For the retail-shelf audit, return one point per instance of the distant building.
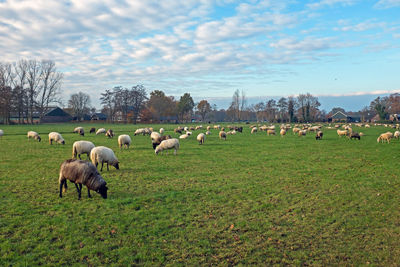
(342, 117)
(98, 117)
(56, 115)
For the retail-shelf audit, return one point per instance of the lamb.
(154, 136)
(222, 135)
(385, 136)
(100, 131)
(201, 137)
(172, 143)
(34, 135)
(319, 135)
(110, 133)
(161, 130)
(102, 154)
(79, 130)
(183, 136)
(124, 140)
(342, 133)
(270, 131)
(92, 130)
(282, 132)
(81, 147)
(81, 172)
(396, 134)
(56, 137)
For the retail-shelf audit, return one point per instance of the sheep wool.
(208, 133)
(79, 130)
(124, 140)
(81, 147)
(110, 133)
(81, 172)
(222, 135)
(282, 132)
(56, 137)
(172, 143)
(183, 136)
(34, 135)
(101, 131)
(1, 133)
(102, 154)
(162, 131)
(201, 137)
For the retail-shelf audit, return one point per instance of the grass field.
(249, 200)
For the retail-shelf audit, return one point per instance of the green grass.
(250, 200)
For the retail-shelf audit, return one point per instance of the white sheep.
(396, 134)
(124, 140)
(254, 130)
(201, 137)
(222, 135)
(102, 154)
(189, 133)
(101, 131)
(1, 133)
(79, 130)
(208, 133)
(161, 130)
(81, 147)
(155, 137)
(34, 135)
(183, 136)
(283, 132)
(56, 137)
(168, 144)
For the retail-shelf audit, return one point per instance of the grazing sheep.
(81, 147)
(191, 128)
(81, 172)
(385, 137)
(178, 130)
(183, 136)
(189, 133)
(56, 137)
(124, 140)
(1, 133)
(396, 134)
(367, 126)
(161, 130)
(154, 136)
(208, 133)
(342, 132)
(270, 132)
(199, 127)
(100, 131)
(186, 128)
(168, 144)
(354, 135)
(254, 130)
(282, 132)
(208, 127)
(217, 127)
(34, 135)
(79, 130)
(110, 133)
(92, 130)
(162, 138)
(319, 135)
(295, 130)
(302, 132)
(102, 154)
(201, 137)
(222, 135)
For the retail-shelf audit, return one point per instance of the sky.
(334, 49)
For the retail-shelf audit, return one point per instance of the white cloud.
(330, 3)
(383, 4)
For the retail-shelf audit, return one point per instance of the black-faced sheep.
(172, 143)
(92, 130)
(81, 147)
(319, 135)
(110, 133)
(100, 131)
(354, 135)
(222, 135)
(102, 154)
(56, 137)
(79, 130)
(34, 135)
(201, 137)
(162, 138)
(81, 172)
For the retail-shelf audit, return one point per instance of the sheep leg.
(79, 192)
(61, 185)
(88, 193)
(101, 166)
(79, 155)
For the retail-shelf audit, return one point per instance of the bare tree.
(33, 80)
(138, 98)
(80, 104)
(49, 90)
(238, 105)
(19, 93)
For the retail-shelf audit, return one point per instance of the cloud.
(384, 4)
(360, 27)
(330, 3)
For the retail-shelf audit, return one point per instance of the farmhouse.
(342, 117)
(56, 115)
(99, 117)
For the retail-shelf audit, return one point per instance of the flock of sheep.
(85, 173)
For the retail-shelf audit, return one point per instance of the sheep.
(254, 130)
(161, 130)
(367, 126)
(201, 137)
(100, 131)
(319, 135)
(102, 154)
(191, 128)
(385, 136)
(396, 134)
(1, 133)
(282, 132)
(208, 133)
(222, 135)
(56, 137)
(167, 144)
(186, 128)
(79, 130)
(302, 132)
(162, 138)
(354, 135)
(270, 132)
(124, 140)
(208, 127)
(183, 136)
(296, 130)
(81, 172)
(34, 135)
(217, 127)
(178, 130)
(92, 130)
(81, 147)
(154, 136)
(189, 133)
(342, 132)
(199, 127)
(110, 133)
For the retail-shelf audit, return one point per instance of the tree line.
(27, 88)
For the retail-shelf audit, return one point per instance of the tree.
(379, 105)
(161, 105)
(33, 83)
(393, 103)
(238, 104)
(282, 106)
(80, 105)
(138, 98)
(292, 106)
(109, 106)
(203, 108)
(308, 107)
(185, 106)
(270, 109)
(259, 109)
